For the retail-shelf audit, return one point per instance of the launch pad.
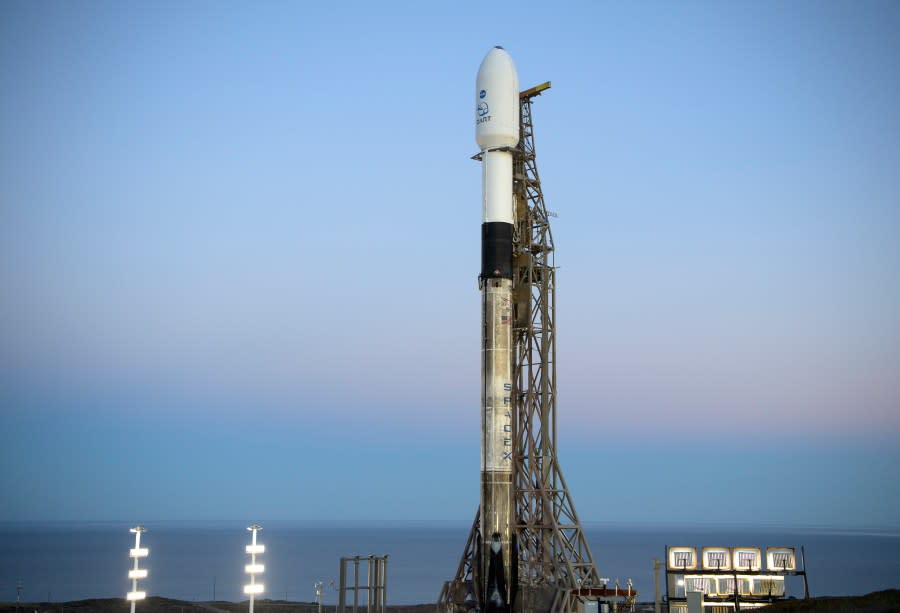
(551, 568)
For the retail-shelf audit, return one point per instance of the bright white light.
(140, 552)
(716, 558)
(137, 573)
(135, 595)
(253, 588)
(682, 558)
(255, 548)
(746, 558)
(781, 558)
(765, 577)
(255, 568)
(681, 582)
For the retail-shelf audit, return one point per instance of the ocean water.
(203, 560)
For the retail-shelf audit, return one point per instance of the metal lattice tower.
(555, 565)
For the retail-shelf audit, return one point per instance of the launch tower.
(552, 569)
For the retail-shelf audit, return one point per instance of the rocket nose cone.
(497, 58)
(497, 101)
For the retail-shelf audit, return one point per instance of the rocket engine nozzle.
(496, 580)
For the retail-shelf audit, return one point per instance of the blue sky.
(239, 248)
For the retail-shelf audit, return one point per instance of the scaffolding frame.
(375, 586)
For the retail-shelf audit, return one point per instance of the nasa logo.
(482, 94)
(482, 109)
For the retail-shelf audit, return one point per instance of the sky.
(239, 245)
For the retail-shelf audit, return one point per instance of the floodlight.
(253, 588)
(139, 552)
(682, 558)
(132, 596)
(255, 549)
(140, 573)
(768, 585)
(697, 584)
(781, 558)
(746, 558)
(255, 568)
(716, 558)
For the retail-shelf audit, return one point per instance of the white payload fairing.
(497, 134)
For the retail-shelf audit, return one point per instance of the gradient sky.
(239, 248)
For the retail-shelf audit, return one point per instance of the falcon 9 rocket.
(497, 133)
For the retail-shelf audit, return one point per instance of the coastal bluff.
(886, 601)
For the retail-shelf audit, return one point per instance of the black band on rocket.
(496, 250)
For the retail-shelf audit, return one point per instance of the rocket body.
(497, 132)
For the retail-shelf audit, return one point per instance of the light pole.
(319, 586)
(137, 573)
(656, 602)
(253, 569)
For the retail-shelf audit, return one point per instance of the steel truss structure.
(555, 568)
